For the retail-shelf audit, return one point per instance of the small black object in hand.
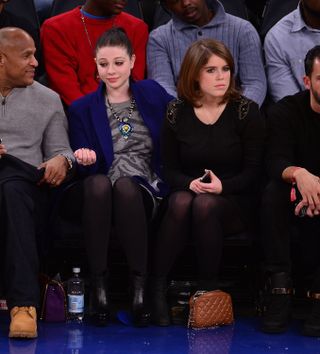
(206, 177)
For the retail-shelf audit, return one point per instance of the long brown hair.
(196, 57)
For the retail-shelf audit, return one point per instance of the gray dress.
(132, 156)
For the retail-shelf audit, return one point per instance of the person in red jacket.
(68, 41)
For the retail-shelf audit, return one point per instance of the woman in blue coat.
(114, 132)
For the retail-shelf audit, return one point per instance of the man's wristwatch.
(69, 161)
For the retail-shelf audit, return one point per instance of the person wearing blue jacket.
(114, 132)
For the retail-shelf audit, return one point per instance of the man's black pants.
(24, 218)
(277, 224)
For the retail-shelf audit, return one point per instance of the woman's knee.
(179, 204)
(126, 187)
(97, 186)
(205, 205)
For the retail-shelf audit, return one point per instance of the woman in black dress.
(210, 129)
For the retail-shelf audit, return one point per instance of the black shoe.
(311, 326)
(99, 300)
(278, 309)
(160, 311)
(140, 315)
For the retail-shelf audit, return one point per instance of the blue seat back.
(24, 9)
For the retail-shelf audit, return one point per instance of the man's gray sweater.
(33, 126)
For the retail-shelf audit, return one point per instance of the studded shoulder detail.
(172, 110)
(244, 105)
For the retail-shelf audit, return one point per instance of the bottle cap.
(76, 270)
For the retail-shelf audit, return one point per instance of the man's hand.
(214, 187)
(85, 157)
(2, 150)
(55, 170)
(309, 188)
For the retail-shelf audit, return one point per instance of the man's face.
(18, 61)
(313, 84)
(190, 11)
(109, 7)
(312, 6)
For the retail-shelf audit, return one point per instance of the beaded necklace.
(124, 125)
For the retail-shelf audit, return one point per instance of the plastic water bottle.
(75, 297)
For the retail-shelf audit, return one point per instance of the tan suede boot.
(23, 322)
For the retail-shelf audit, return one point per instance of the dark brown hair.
(196, 57)
(311, 56)
(115, 37)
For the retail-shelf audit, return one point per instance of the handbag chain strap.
(199, 293)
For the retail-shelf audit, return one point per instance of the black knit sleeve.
(252, 133)
(173, 174)
(280, 138)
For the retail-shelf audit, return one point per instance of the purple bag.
(54, 305)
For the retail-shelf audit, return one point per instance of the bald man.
(34, 155)
(9, 19)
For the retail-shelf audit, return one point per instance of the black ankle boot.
(160, 311)
(140, 315)
(99, 300)
(277, 315)
(311, 326)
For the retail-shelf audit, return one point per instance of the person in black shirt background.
(293, 163)
(211, 128)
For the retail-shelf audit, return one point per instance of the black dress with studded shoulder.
(232, 147)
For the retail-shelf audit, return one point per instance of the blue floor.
(241, 338)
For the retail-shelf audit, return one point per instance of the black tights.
(207, 217)
(98, 204)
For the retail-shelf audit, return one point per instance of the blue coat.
(89, 124)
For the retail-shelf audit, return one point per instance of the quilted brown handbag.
(210, 309)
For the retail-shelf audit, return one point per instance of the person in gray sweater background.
(33, 132)
(200, 19)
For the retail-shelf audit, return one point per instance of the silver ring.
(53, 181)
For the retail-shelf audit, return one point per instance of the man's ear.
(307, 82)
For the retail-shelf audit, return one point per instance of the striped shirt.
(286, 46)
